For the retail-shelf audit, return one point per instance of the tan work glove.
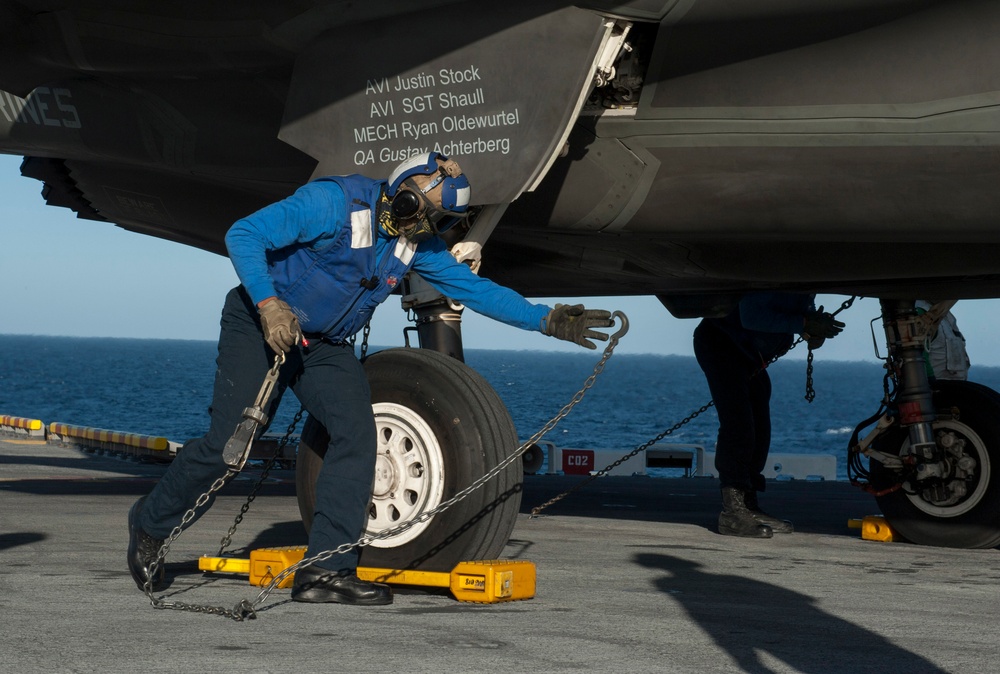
(575, 324)
(281, 327)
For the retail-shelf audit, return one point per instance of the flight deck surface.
(631, 578)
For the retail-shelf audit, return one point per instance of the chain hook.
(622, 331)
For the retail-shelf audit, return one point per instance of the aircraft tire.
(974, 520)
(440, 427)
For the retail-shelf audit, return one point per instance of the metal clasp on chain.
(237, 448)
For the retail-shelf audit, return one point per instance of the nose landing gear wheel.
(440, 426)
(963, 509)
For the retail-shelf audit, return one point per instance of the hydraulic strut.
(906, 335)
(439, 320)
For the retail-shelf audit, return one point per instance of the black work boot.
(317, 585)
(777, 526)
(737, 520)
(142, 551)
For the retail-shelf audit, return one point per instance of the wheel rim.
(409, 473)
(975, 449)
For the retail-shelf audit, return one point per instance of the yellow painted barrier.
(22, 429)
(100, 436)
(21, 422)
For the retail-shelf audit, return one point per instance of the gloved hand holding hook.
(820, 324)
(281, 327)
(574, 323)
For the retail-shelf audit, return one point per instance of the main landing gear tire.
(440, 427)
(955, 520)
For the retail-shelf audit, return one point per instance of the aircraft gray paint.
(688, 149)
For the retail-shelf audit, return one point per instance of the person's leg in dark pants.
(760, 401)
(334, 389)
(244, 359)
(729, 372)
(759, 390)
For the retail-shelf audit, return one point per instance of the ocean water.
(164, 387)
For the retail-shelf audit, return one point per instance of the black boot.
(777, 526)
(737, 520)
(315, 584)
(142, 551)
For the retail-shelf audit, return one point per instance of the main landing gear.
(935, 454)
(440, 427)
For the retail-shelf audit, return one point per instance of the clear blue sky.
(63, 276)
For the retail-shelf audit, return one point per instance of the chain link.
(227, 539)
(161, 554)
(536, 511)
(810, 391)
(364, 341)
(247, 610)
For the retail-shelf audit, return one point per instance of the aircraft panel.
(500, 99)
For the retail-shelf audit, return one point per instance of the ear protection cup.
(455, 194)
(455, 190)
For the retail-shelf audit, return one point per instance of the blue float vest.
(334, 290)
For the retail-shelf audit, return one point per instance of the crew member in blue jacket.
(733, 352)
(313, 268)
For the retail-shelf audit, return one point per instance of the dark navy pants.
(742, 402)
(329, 382)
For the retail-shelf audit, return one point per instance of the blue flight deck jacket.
(764, 323)
(322, 252)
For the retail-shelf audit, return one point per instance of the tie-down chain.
(809, 396)
(238, 449)
(248, 610)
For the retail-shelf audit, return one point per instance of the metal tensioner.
(237, 448)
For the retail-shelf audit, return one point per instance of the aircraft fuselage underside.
(852, 150)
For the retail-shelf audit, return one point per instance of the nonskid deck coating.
(631, 577)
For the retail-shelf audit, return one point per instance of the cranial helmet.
(408, 198)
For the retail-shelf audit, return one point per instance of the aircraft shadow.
(8, 541)
(756, 623)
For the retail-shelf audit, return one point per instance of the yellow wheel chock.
(481, 582)
(874, 528)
